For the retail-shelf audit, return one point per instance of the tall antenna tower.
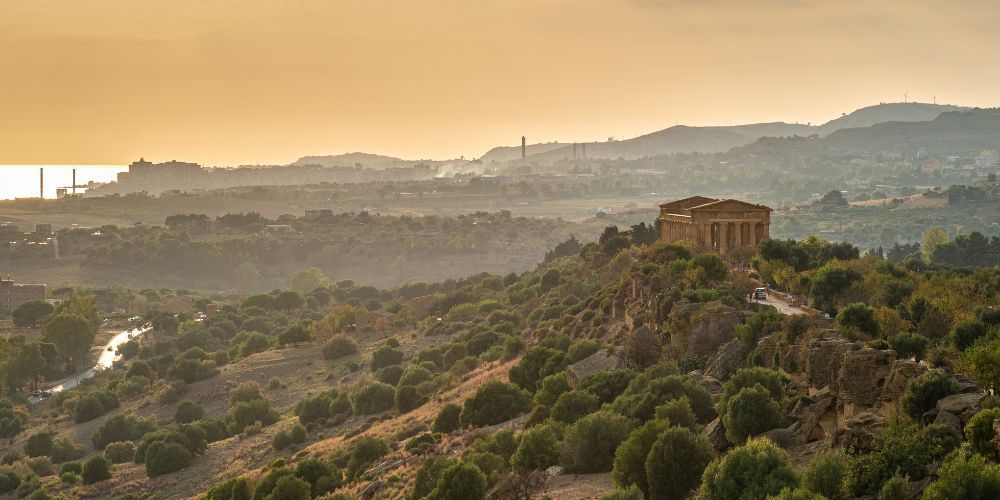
(524, 149)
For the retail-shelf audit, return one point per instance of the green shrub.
(95, 470)
(373, 397)
(750, 412)
(414, 375)
(428, 474)
(298, 434)
(963, 335)
(574, 405)
(826, 475)
(291, 488)
(390, 374)
(630, 457)
(385, 356)
(9, 480)
(164, 457)
(502, 443)
(896, 488)
(647, 391)
(755, 470)
(460, 481)
(857, 317)
(494, 402)
(69, 477)
(676, 462)
(231, 489)
(420, 443)
(748, 377)
(364, 451)
(550, 388)
(678, 412)
(909, 345)
(980, 434)
(539, 447)
(589, 445)
(339, 346)
(76, 467)
(924, 391)
(281, 440)
(39, 444)
(447, 419)
(898, 448)
(121, 428)
(971, 478)
(247, 413)
(606, 385)
(408, 398)
(537, 363)
(187, 412)
(631, 492)
(119, 452)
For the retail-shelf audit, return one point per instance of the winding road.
(109, 354)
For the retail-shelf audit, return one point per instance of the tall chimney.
(41, 182)
(74, 181)
(524, 148)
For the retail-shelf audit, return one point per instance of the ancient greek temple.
(720, 225)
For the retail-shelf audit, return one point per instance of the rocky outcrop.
(698, 329)
(715, 433)
(730, 357)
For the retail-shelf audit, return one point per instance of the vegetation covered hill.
(886, 112)
(625, 362)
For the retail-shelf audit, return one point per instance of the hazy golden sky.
(226, 82)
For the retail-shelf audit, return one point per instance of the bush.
(630, 457)
(244, 414)
(631, 492)
(898, 448)
(539, 447)
(606, 385)
(574, 405)
(373, 397)
(896, 488)
(967, 333)
(390, 374)
(857, 318)
(909, 345)
(298, 434)
(536, 364)
(164, 457)
(39, 444)
(232, 489)
(76, 467)
(188, 412)
(386, 356)
(9, 480)
(69, 477)
(971, 478)
(494, 402)
(678, 413)
(754, 470)
(408, 399)
(88, 408)
(550, 388)
(245, 392)
(291, 488)
(119, 452)
(447, 419)
(122, 428)
(339, 346)
(750, 412)
(647, 391)
(281, 440)
(979, 432)
(826, 475)
(461, 481)
(364, 452)
(95, 470)
(676, 462)
(589, 445)
(321, 407)
(925, 390)
(42, 466)
(428, 474)
(748, 377)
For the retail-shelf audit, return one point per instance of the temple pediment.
(730, 205)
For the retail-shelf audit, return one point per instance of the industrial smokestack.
(74, 181)
(524, 148)
(41, 182)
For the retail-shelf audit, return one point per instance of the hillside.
(366, 160)
(952, 132)
(886, 112)
(510, 153)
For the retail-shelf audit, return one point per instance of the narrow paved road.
(107, 358)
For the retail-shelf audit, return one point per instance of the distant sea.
(21, 181)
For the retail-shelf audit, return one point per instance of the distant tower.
(524, 149)
(41, 183)
(74, 181)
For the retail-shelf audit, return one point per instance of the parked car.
(760, 294)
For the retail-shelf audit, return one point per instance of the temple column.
(723, 238)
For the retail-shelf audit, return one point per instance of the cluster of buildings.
(175, 177)
(12, 235)
(981, 166)
(13, 294)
